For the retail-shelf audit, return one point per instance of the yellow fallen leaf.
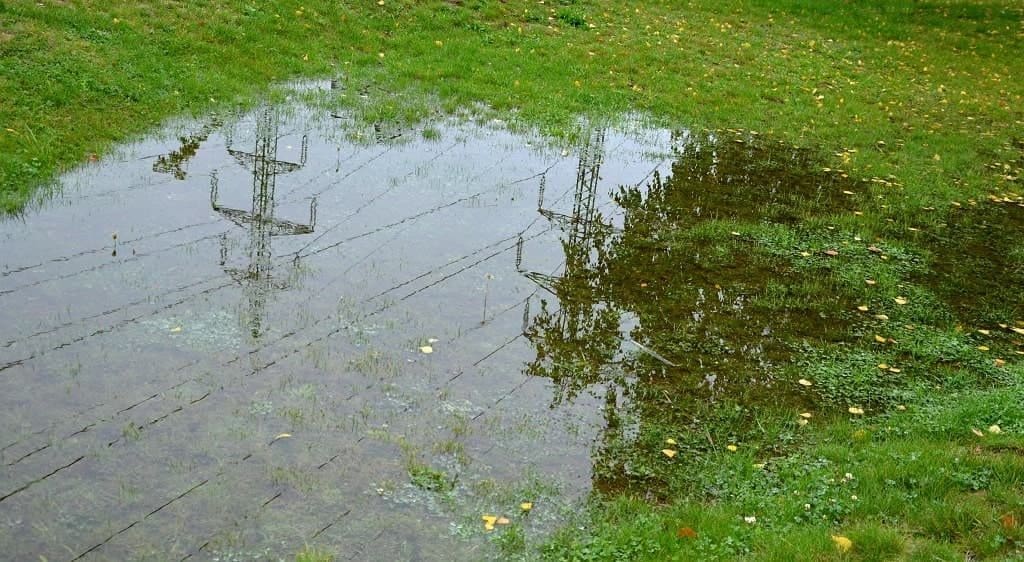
(668, 453)
(883, 366)
(994, 429)
(977, 432)
(984, 332)
(731, 447)
(805, 254)
(881, 317)
(805, 382)
(894, 370)
(806, 415)
(855, 410)
(842, 543)
(802, 422)
(869, 281)
(1000, 362)
(879, 338)
(503, 521)
(489, 521)
(670, 441)
(900, 300)
(280, 436)
(863, 308)
(526, 506)
(1018, 330)
(982, 348)
(175, 329)
(426, 349)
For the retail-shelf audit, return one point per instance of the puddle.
(266, 330)
(978, 261)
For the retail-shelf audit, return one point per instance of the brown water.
(214, 344)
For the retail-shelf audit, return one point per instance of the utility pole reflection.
(257, 276)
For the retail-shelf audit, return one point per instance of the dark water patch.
(977, 261)
(740, 176)
(672, 319)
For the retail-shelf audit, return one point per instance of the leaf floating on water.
(900, 300)
(805, 382)
(526, 506)
(175, 329)
(686, 533)
(426, 349)
(842, 543)
(855, 410)
(432, 340)
(668, 453)
(280, 436)
(489, 521)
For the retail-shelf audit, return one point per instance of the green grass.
(924, 92)
(910, 113)
(908, 485)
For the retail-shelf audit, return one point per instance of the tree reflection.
(657, 315)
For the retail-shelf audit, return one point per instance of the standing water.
(280, 329)
(284, 328)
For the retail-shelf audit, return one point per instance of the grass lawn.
(915, 107)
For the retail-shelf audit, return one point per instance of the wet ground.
(280, 328)
(264, 330)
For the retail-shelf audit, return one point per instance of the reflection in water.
(578, 338)
(257, 276)
(656, 319)
(175, 163)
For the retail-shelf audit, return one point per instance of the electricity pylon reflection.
(257, 276)
(575, 341)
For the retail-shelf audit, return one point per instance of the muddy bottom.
(261, 331)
